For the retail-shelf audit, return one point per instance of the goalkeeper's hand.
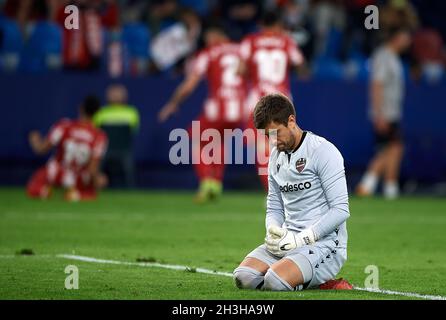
(279, 240)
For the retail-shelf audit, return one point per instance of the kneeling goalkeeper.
(307, 207)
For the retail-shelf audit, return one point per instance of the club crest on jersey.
(300, 164)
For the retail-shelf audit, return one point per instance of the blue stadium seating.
(333, 44)
(136, 40)
(199, 6)
(43, 49)
(357, 67)
(11, 45)
(327, 68)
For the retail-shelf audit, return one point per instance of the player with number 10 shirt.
(267, 57)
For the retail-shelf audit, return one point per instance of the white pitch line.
(406, 294)
(228, 274)
(144, 264)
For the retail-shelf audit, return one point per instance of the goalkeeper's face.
(281, 136)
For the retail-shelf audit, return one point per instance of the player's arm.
(94, 166)
(330, 168)
(275, 213)
(297, 60)
(302, 70)
(274, 205)
(245, 54)
(185, 88)
(378, 75)
(376, 96)
(39, 144)
(181, 93)
(42, 145)
(242, 69)
(99, 179)
(278, 240)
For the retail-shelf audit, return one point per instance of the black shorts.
(393, 134)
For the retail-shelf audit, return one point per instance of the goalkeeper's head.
(276, 115)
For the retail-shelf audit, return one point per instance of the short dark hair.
(273, 108)
(392, 31)
(90, 105)
(214, 26)
(270, 18)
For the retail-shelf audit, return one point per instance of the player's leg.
(79, 186)
(395, 152)
(38, 186)
(203, 170)
(375, 169)
(261, 142)
(262, 152)
(211, 171)
(250, 273)
(370, 179)
(305, 267)
(288, 275)
(218, 167)
(86, 187)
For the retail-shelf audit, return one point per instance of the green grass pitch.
(405, 238)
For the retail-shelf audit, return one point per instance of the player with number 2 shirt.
(218, 62)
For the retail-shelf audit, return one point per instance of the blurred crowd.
(140, 37)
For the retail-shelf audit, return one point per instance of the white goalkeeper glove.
(279, 240)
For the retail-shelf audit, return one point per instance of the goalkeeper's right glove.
(279, 240)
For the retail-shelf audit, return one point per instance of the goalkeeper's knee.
(248, 278)
(273, 282)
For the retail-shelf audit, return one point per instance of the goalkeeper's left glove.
(281, 240)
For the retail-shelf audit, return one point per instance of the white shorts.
(318, 264)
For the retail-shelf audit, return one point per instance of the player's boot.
(46, 192)
(360, 191)
(391, 190)
(72, 195)
(367, 185)
(216, 189)
(204, 191)
(336, 284)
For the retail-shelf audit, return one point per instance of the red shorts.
(54, 175)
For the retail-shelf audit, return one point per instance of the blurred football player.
(268, 55)
(386, 95)
(79, 147)
(223, 107)
(307, 208)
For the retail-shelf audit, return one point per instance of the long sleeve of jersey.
(274, 205)
(330, 168)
